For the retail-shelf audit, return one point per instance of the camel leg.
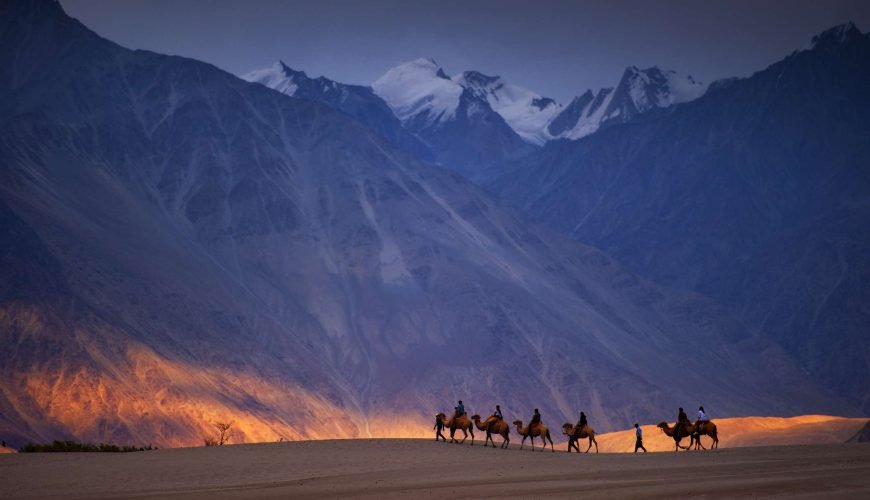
(472, 436)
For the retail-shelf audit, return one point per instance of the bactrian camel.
(575, 434)
(539, 430)
(689, 429)
(499, 427)
(462, 423)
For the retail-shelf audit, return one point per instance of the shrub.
(75, 446)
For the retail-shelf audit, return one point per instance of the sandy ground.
(743, 431)
(405, 468)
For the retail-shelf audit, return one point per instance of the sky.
(557, 48)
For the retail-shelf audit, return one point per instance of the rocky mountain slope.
(756, 194)
(357, 101)
(181, 247)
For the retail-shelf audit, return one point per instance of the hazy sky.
(557, 48)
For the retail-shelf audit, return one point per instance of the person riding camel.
(702, 420)
(496, 417)
(582, 422)
(536, 419)
(458, 411)
(682, 418)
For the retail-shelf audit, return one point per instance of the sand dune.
(746, 431)
(395, 468)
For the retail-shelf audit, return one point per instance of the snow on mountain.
(357, 101)
(527, 112)
(277, 76)
(638, 91)
(419, 86)
(755, 195)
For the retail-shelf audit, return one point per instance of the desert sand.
(405, 468)
(744, 431)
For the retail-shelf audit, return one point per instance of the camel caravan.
(495, 424)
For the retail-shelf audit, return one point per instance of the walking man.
(439, 426)
(638, 445)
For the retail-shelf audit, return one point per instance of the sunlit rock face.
(756, 194)
(181, 247)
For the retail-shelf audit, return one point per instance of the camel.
(462, 423)
(691, 430)
(540, 430)
(500, 427)
(576, 434)
(707, 428)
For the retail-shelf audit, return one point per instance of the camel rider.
(582, 422)
(682, 418)
(497, 413)
(458, 411)
(496, 416)
(536, 419)
(702, 419)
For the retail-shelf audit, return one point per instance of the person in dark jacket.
(536, 419)
(682, 418)
(582, 422)
(439, 426)
(496, 417)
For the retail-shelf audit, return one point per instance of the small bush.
(75, 446)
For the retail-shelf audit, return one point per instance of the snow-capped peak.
(278, 76)
(527, 112)
(654, 88)
(419, 86)
(638, 91)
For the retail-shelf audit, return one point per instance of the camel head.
(663, 426)
(441, 416)
(567, 429)
(518, 423)
(475, 417)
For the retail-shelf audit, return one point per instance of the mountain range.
(181, 247)
(756, 194)
(471, 122)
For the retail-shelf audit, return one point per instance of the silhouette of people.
(638, 445)
(536, 419)
(582, 422)
(496, 417)
(682, 418)
(439, 426)
(702, 419)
